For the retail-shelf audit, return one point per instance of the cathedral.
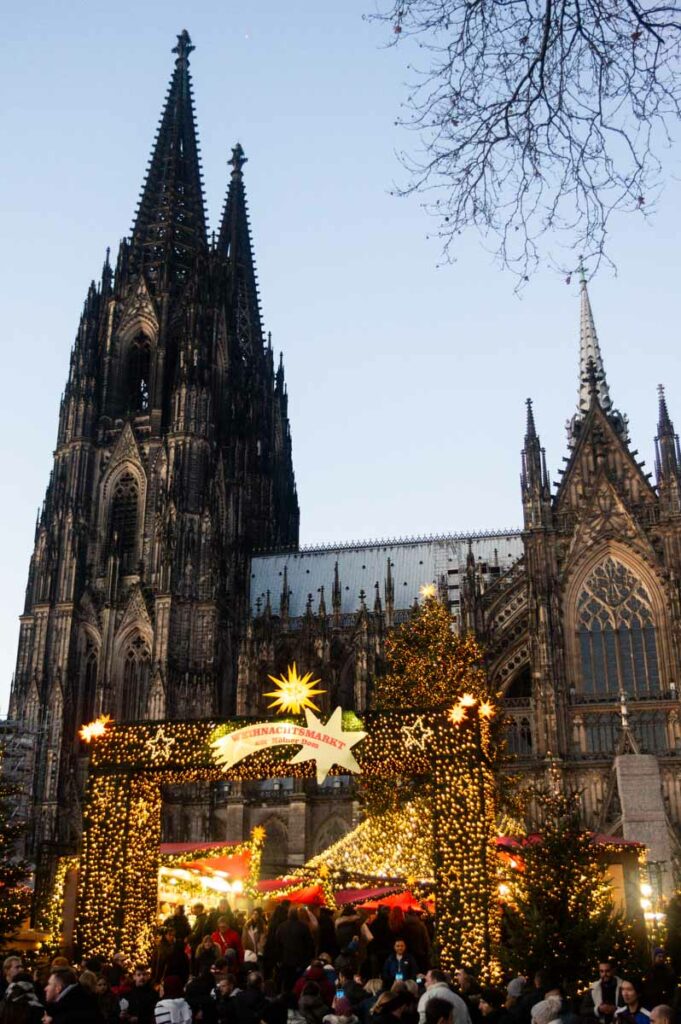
(167, 579)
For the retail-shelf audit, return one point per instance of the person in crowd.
(351, 988)
(311, 1004)
(415, 934)
(179, 922)
(438, 988)
(546, 1011)
(161, 954)
(492, 1006)
(399, 966)
(199, 927)
(199, 995)
(315, 972)
(348, 923)
(552, 989)
(67, 1002)
(662, 1015)
(88, 979)
(372, 992)
(396, 1007)
(439, 1011)
(11, 966)
(205, 954)
(271, 962)
(327, 941)
(295, 949)
(660, 984)
(341, 1012)
(249, 1005)
(253, 936)
(632, 1011)
(381, 943)
(117, 969)
(140, 1000)
(20, 1003)
(109, 1006)
(225, 937)
(514, 993)
(172, 1007)
(223, 909)
(225, 988)
(396, 922)
(469, 990)
(603, 996)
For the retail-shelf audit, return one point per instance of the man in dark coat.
(295, 949)
(248, 1004)
(68, 1002)
(142, 998)
(400, 966)
(415, 934)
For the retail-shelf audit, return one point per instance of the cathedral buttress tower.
(173, 462)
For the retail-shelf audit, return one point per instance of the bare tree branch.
(539, 118)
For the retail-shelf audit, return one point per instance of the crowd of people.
(304, 965)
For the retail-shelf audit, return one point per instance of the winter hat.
(516, 987)
(172, 987)
(545, 1011)
(20, 991)
(342, 1007)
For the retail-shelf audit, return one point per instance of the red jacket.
(229, 940)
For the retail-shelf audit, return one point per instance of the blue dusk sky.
(407, 380)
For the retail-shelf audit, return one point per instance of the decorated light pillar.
(468, 920)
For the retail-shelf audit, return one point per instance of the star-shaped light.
(427, 590)
(95, 729)
(294, 692)
(467, 701)
(457, 714)
(160, 746)
(417, 734)
(258, 834)
(332, 745)
(486, 709)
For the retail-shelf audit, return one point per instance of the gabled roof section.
(235, 245)
(170, 226)
(600, 447)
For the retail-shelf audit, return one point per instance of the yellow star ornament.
(329, 745)
(294, 692)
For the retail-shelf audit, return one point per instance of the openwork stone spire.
(234, 243)
(170, 226)
(593, 383)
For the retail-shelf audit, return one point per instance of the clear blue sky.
(407, 382)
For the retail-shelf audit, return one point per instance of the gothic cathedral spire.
(234, 245)
(170, 226)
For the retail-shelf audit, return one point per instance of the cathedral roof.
(363, 564)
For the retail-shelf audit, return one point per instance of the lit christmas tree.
(429, 665)
(15, 898)
(560, 913)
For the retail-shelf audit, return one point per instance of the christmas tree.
(15, 897)
(560, 914)
(429, 665)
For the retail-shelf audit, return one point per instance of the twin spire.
(170, 230)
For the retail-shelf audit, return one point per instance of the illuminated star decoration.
(95, 729)
(160, 746)
(258, 834)
(294, 692)
(427, 590)
(326, 754)
(418, 734)
(457, 714)
(486, 709)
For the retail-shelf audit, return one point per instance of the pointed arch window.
(139, 374)
(617, 634)
(519, 737)
(136, 674)
(123, 521)
(90, 668)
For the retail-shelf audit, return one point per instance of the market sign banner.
(325, 744)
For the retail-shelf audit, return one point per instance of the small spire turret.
(534, 479)
(668, 458)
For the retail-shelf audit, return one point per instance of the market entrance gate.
(130, 764)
